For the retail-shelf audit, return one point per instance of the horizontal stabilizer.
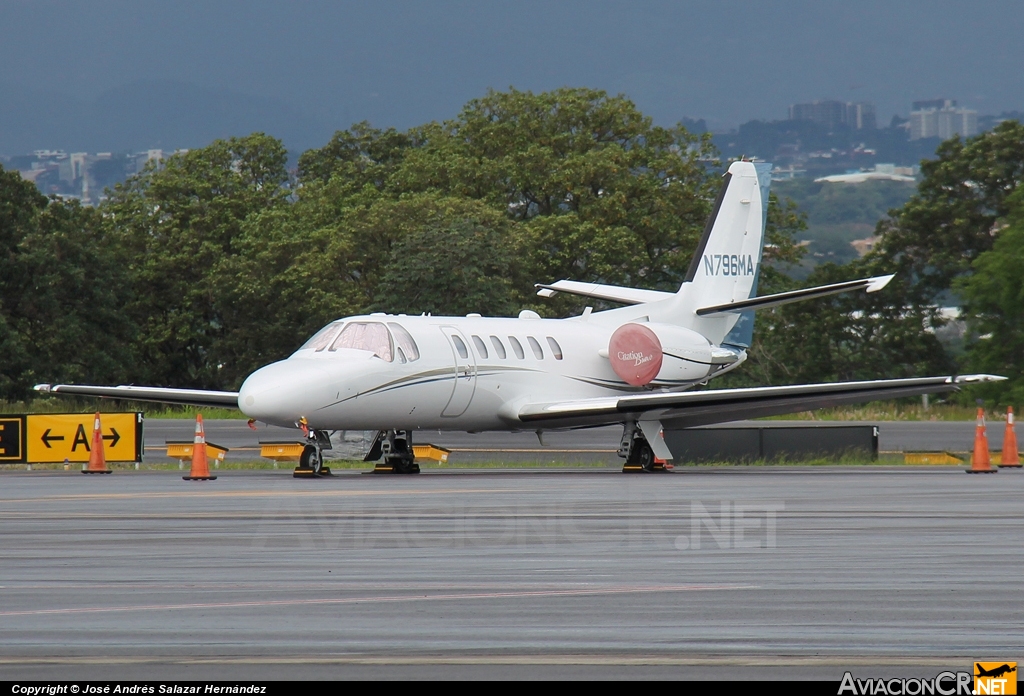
(692, 408)
(162, 395)
(611, 293)
(867, 284)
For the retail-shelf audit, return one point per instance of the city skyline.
(303, 72)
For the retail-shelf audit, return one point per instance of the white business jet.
(635, 365)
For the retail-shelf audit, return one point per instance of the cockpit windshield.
(372, 336)
(322, 338)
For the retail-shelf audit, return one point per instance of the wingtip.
(877, 283)
(973, 379)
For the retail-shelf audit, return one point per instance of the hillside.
(838, 214)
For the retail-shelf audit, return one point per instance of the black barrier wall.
(772, 443)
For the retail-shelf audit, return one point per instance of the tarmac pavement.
(745, 572)
(593, 445)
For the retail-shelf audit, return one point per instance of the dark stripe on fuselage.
(427, 377)
(680, 357)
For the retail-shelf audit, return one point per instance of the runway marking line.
(250, 494)
(504, 659)
(583, 592)
(452, 449)
(538, 449)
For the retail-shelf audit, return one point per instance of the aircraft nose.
(283, 392)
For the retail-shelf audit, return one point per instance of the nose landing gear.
(311, 461)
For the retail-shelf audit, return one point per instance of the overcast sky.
(405, 63)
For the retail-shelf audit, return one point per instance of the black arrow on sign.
(114, 439)
(47, 437)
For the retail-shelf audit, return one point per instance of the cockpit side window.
(322, 338)
(405, 341)
(371, 336)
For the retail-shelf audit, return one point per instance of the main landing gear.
(637, 452)
(311, 461)
(396, 448)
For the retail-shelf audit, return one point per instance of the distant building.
(941, 118)
(831, 113)
(140, 159)
(860, 116)
(925, 104)
(787, 173)
(881, 172)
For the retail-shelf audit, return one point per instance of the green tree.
(599, 192)
(994, 303)
(591, 190)
(928, 243)
(62, 284)
(181, 224)
(360, 156)
(936, 236)
(452, 268)
(20, 205)
(768, 355)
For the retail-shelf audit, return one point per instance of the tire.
(311, 459)
(644, 455)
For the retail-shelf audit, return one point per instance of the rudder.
(726, 265)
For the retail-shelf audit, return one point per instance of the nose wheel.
(312, 458)
(311, 461)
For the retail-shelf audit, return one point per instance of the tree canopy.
(219, 260)
(216, 261)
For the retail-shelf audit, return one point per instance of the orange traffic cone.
(980, 461)
(97, 457)
(200, 466)
(1011, 457)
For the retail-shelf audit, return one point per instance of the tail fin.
(727, 262)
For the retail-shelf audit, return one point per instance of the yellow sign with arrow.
(54, 437)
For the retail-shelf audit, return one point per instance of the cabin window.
(405, 341)
(481, 348)
(323, 338)
(537, 350)
(372, 336)
(461, 347)
(499, 347)
(556, 349)
(517, 347)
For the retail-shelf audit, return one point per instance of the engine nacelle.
(644, 353)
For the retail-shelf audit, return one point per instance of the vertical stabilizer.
(727, 263)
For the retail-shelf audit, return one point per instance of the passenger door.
(465, 373)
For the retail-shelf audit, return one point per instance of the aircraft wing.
(613, 293)
(693, 408)
(765, 301)
(163, 395)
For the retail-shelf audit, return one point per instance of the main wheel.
(642, 455)
(311, 459)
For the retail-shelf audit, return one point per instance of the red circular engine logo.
(635, 354)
